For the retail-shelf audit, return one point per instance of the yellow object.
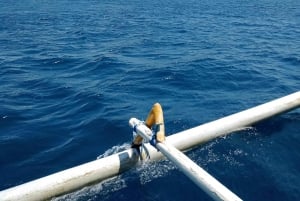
(155, 121)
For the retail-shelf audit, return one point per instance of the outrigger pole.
(101, 169)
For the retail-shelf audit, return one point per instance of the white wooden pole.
(98, 170)
(198, 175)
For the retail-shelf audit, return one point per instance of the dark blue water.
(72, 73)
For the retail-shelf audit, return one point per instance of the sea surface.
(72, 73)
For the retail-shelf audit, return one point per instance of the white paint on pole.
(98, 170)
(199, 176)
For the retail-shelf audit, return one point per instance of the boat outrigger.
(77, 177)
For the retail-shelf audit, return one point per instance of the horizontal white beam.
(98, 170)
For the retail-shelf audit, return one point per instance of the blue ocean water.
(72, 73)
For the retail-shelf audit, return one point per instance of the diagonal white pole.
(198, 175)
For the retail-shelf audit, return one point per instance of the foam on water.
(114, 150)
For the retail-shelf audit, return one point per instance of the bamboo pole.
(98, 170)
